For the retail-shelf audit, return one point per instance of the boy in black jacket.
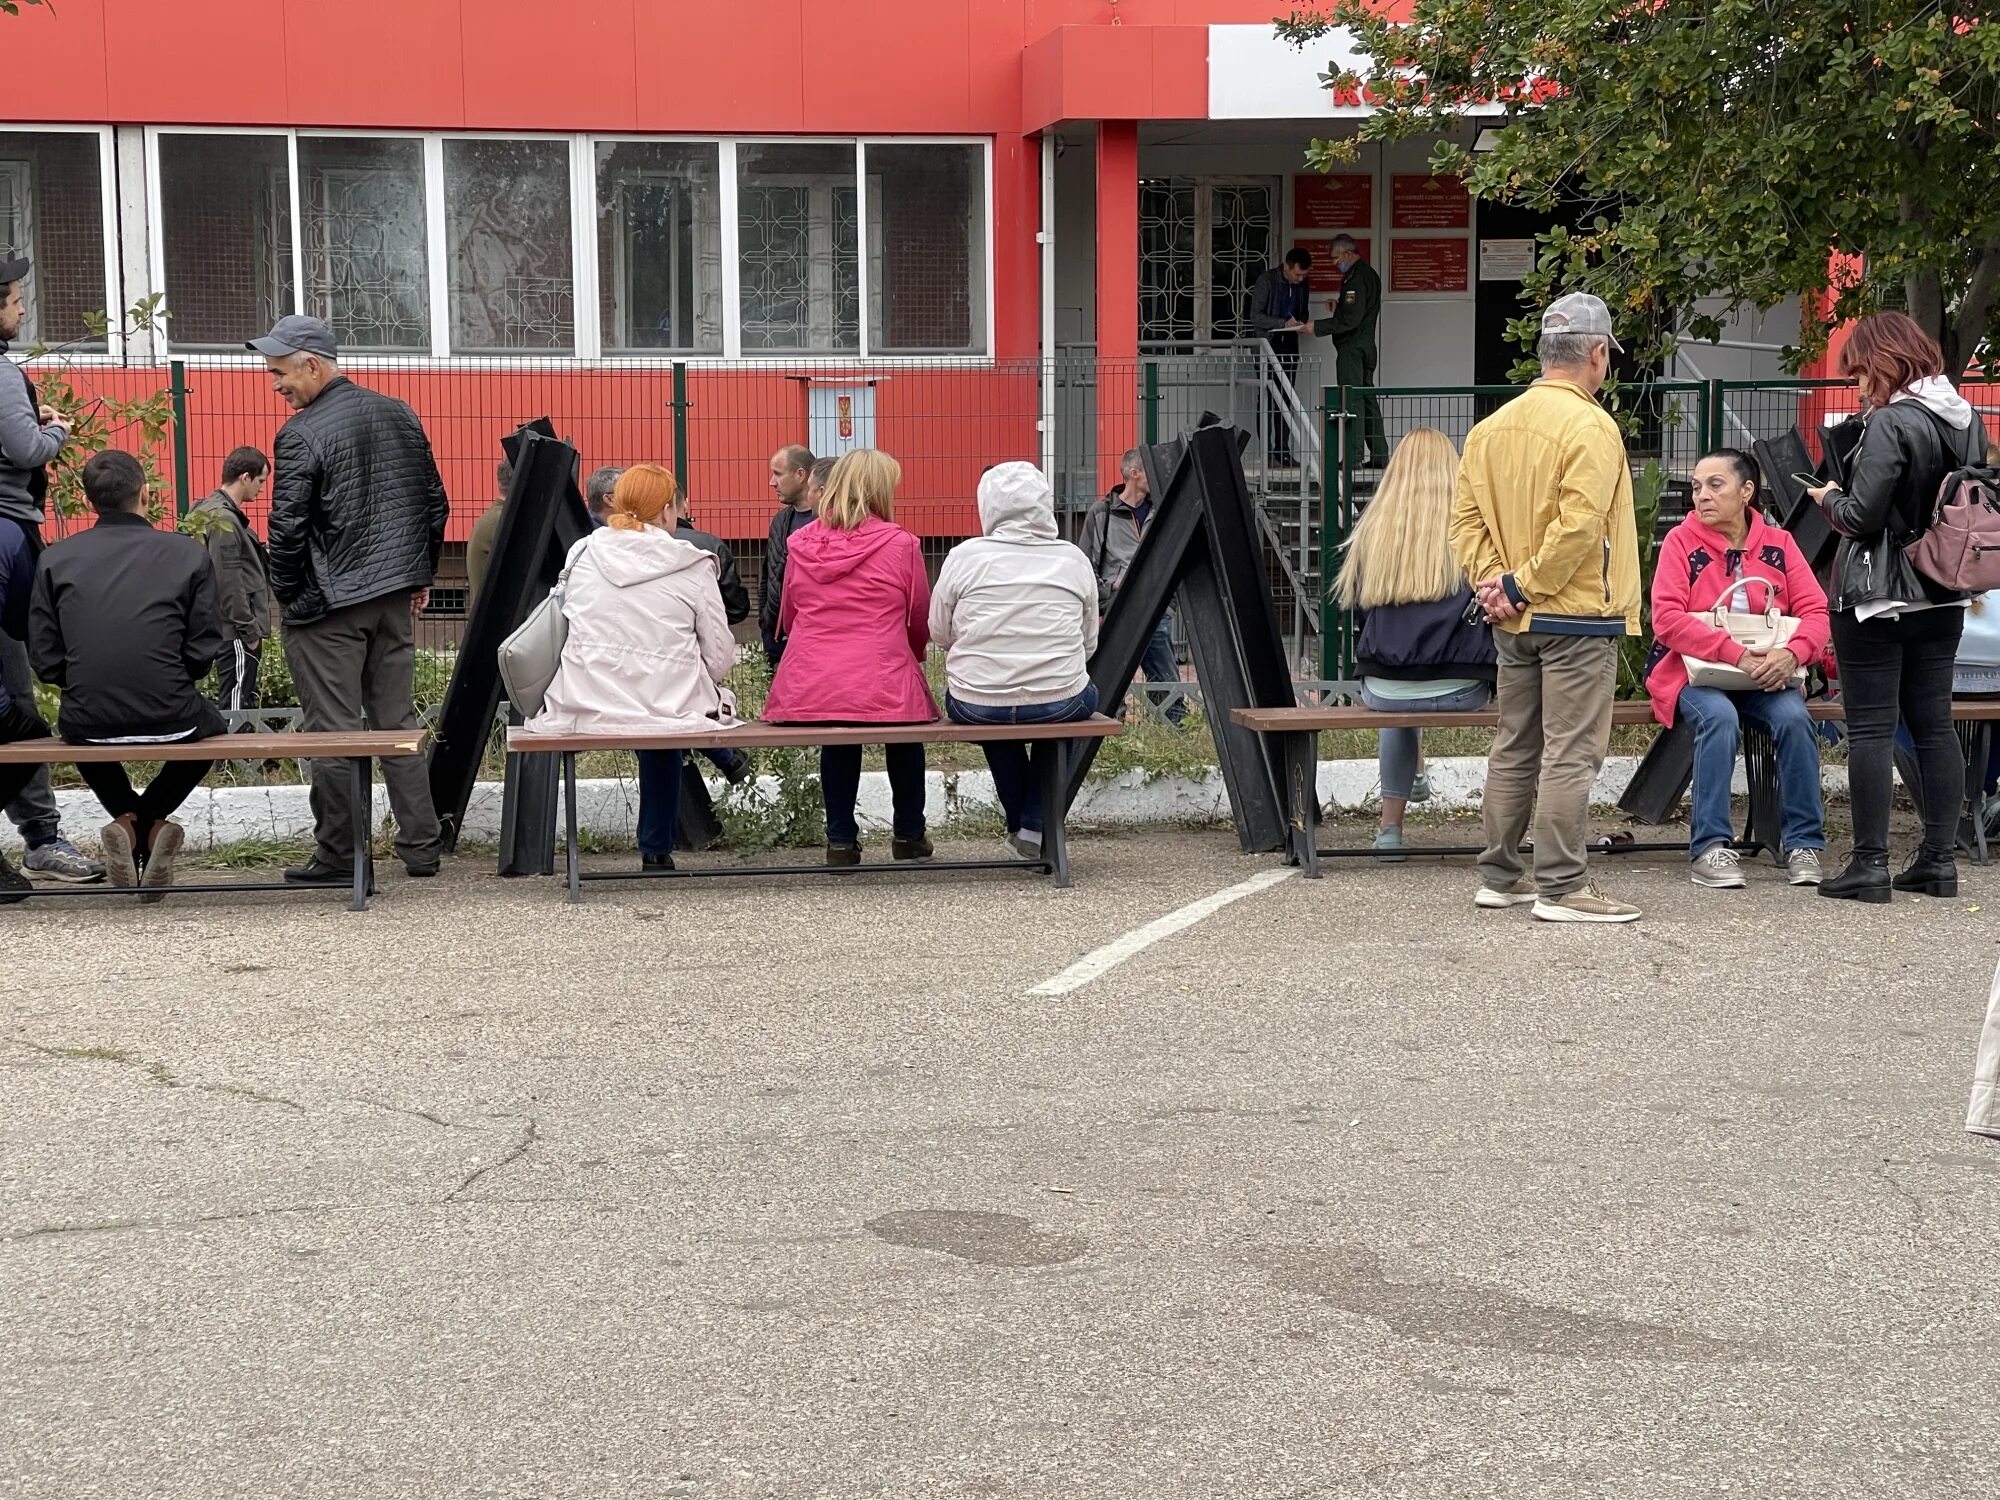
(125, 622)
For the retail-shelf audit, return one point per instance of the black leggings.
(166, 792)
(1900, 667)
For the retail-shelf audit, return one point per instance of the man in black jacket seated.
(124, 620)
(357, 523)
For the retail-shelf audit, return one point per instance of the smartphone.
(1810, 481)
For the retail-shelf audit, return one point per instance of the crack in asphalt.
(518, 1150)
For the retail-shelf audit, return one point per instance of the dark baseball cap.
(297, 334)
(12, 268)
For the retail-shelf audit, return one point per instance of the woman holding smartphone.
(1895, 632)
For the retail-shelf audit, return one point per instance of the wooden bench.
(1298, 731)
(756, 735)
(357, 747)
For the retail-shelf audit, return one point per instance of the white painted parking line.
(1102, 960)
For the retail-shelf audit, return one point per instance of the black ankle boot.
(1929, 874)
(1866, 878)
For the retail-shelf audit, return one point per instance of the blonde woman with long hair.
(855, 619)
(1422, 647)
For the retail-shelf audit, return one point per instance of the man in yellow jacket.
(1543, 527)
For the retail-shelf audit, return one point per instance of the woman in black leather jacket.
(1895, 632)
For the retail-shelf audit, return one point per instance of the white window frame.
(156, 229)
(107, 187)
(985, 144)
(585, 273)
(582, 279)
(820, 304)
(433, 220)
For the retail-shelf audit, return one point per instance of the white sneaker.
(1802, 867)
(1585, 904)
(1717, 868)
(1520, 893)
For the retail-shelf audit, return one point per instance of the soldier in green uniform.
(1352, 329)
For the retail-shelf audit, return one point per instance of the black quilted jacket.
(357, 507)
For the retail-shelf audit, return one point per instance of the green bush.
(275, 688)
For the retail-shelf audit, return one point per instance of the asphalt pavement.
(748, 1188)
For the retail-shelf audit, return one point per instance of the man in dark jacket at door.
(1111, 533)
(125, 622)
(357, 524)
(1281, 310)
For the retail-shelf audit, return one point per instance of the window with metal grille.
(1203, 242)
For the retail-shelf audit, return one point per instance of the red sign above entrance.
(1343, 201)
(1428, 203)
(1430, 265)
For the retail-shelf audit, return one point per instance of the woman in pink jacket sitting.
(855, 622)
(1722, 541)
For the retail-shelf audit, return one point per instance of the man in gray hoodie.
(30, 435)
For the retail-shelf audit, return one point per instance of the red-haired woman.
(1895, 632)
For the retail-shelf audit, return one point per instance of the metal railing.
(1666, 422)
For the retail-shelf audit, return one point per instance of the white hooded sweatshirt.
(1016, 609)
(648, 641)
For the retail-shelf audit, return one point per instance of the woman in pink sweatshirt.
(855, 619)
(1722, 541)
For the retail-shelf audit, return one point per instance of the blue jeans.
(1716, 717)
(659, 800)
(1159, 666)
(1017, 774)
(840, 785)
(1399, 750)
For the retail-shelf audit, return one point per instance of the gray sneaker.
(1586, 904)
(159, 872)
(1802, 867)
(1718, 868)
(59, 859)
(1520, 893)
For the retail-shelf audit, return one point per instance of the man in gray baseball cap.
(1543, 527)
(297, 334)
(358, 514)
(1581, 313)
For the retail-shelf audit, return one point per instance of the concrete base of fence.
(609, 809)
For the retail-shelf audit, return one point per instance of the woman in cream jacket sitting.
(648, 645)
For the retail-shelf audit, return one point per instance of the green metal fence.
(1671, 423)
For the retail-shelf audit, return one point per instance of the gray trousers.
(352, 665)
(1555, 725)
(34, 810)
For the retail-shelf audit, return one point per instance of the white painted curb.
(610, 808)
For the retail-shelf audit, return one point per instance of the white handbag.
(1755, 632)
(530, 656)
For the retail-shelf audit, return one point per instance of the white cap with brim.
(1579, 312)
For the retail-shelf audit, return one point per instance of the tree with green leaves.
(1752, 151)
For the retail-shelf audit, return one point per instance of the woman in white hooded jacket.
(648, 645)
(1016, 611)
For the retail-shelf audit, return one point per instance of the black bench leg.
(1301, 753)
(364, 829)
(1052, 754)
(1762, 830)
(569, 828)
